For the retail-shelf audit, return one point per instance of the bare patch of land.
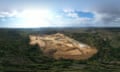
(60, 46)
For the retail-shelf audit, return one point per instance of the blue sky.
(59, 13)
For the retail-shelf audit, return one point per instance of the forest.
(16, 55)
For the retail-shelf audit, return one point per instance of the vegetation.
(16, 55)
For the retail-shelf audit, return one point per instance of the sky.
(59, 13)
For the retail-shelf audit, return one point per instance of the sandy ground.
(60, 46)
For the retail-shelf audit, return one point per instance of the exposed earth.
(60, 46)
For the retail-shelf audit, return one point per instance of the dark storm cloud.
(109, 11)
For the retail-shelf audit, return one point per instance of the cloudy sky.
(59, 13)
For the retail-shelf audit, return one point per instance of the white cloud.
(70, 13)
(69, 17)
(2, 16)
(73, 15)
(8, 14)
(68, 10)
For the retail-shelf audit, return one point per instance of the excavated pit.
(60, 46)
